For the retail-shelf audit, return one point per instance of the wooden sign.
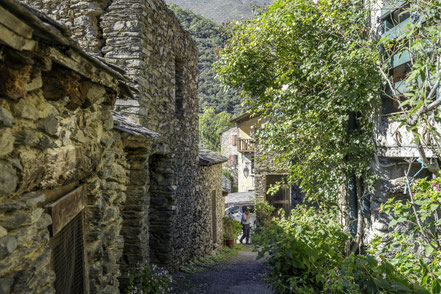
(66, 208)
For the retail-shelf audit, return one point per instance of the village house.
(101, 168)
(394, 144)
(256, 173)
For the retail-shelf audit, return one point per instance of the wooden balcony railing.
(245, 146)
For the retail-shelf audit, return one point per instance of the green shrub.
(232, 228)
(417, 252)
(150, 280)
(307, 255)
(264, 210)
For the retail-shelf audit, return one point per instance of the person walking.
(246, 225)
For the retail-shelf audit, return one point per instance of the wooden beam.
(82, 66)
(15, 24)
(15, 41)
(66, 208)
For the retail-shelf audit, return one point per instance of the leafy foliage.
(210, 38)
(232, 228)
(307, 255)
(150, 280)
(417, 253)
(211, 125)
(307, 65)
(264, 211)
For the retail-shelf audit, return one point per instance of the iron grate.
(68, 258)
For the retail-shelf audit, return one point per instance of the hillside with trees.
(210, 39)
(221, 11)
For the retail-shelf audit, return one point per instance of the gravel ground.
(241, 275)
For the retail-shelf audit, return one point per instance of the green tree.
(309, 67)
(210, 127)
(209, 37)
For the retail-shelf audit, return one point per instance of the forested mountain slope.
(209, 38)
(221, 10)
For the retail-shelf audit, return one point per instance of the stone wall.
(263, 167)
(229, 150)
(160, 58)
(56, 135)
(212, 208)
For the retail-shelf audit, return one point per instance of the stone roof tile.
(127, 125)
(208, 157)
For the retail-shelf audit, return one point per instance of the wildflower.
(285, 88)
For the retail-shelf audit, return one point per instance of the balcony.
(245, 146)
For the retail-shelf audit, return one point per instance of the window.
(394, 19)
(67, 243)
(179, 86)
(68, 258)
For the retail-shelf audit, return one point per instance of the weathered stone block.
(6, 285)
(6, 117)
(27, 138)
(8, 179)
(7, 245)
(3, 232)
(27, 111)
(51, 126)
(6, 142)
(20, 218)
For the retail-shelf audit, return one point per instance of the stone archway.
(162, 194)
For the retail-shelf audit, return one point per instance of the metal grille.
(68, 258)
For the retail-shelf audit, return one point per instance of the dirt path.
(241, 275)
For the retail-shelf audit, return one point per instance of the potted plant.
(232, 230)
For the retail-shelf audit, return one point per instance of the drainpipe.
(352, 186)
(352, 205)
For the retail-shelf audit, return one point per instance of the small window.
(179, 86)
(234, 139)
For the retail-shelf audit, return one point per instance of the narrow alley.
(241, 274)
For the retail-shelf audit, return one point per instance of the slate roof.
(243, 117)
(240, 198)
(22, 27)
(208, 157)
(127, 125)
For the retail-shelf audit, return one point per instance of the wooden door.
(282, 197)
(214, 216)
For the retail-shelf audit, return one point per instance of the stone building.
(228, 141)
(146, 40)
(64, 169)
(394, 144)
(256, 172)
(243, 142)
(88, 194)
(210, 187)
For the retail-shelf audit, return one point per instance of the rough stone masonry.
(88, 195)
